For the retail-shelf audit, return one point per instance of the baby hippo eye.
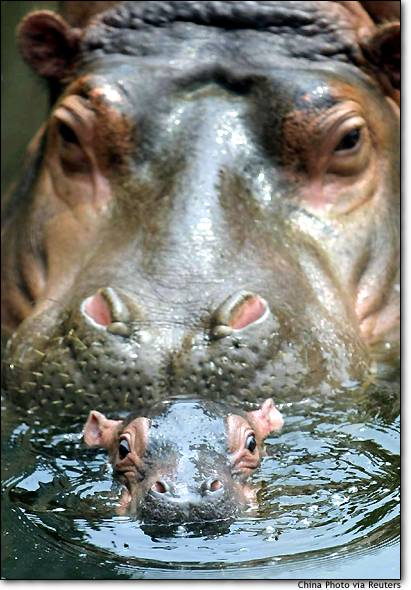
(349, 141)
(251, 443)
(123, 448)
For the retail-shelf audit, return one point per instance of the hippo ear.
(382, 48)
(99, 431)
(48, 44)
(381, 11)
(266, 420)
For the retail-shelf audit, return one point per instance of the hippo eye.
(73, 158)
(251, 443)
(123, 448)
(67, 134)
(353, 147)
(349, 141)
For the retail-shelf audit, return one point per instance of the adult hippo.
(211, 209)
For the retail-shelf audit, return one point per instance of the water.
(328, 502)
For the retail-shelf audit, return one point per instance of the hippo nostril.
(248, 312)
(97, 308)
(161, 487)
(215, 485)
(211, 485)
(106, 309)
(239, 311)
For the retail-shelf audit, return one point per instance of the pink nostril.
(160, 487)
(248, 312)
(211, 485)
(216, 485)
(97, 308)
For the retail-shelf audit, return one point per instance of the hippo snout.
(163, 489)
(211, 500)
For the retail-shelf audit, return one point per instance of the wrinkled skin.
(188, 461)
(211, 209)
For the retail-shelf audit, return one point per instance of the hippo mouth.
(212, 502)
(189, 513)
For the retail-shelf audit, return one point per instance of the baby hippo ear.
(99, 431)
(266, 420)
(48, 44)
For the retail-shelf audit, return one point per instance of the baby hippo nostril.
(161, 487)
(215, 485)
(211, 485)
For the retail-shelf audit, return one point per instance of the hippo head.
(212, 204)
(186, 462)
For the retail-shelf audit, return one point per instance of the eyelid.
(125, 439)
(67, 116)
(62, 117)
(341, 127)
(248, 434)
(125, 436)
(334, 128)
(340, 112)
(349, 124)
(75, 113)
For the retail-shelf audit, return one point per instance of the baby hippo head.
(186, 461)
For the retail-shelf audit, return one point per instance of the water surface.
(328, 502)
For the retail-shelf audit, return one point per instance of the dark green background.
(23, 94)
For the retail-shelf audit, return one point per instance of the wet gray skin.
(188, 447)
(211, 208)
(186, 461)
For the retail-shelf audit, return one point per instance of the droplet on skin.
(108, 92)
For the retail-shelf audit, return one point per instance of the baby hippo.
(186, 461)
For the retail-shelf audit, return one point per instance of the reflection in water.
(328, 502)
